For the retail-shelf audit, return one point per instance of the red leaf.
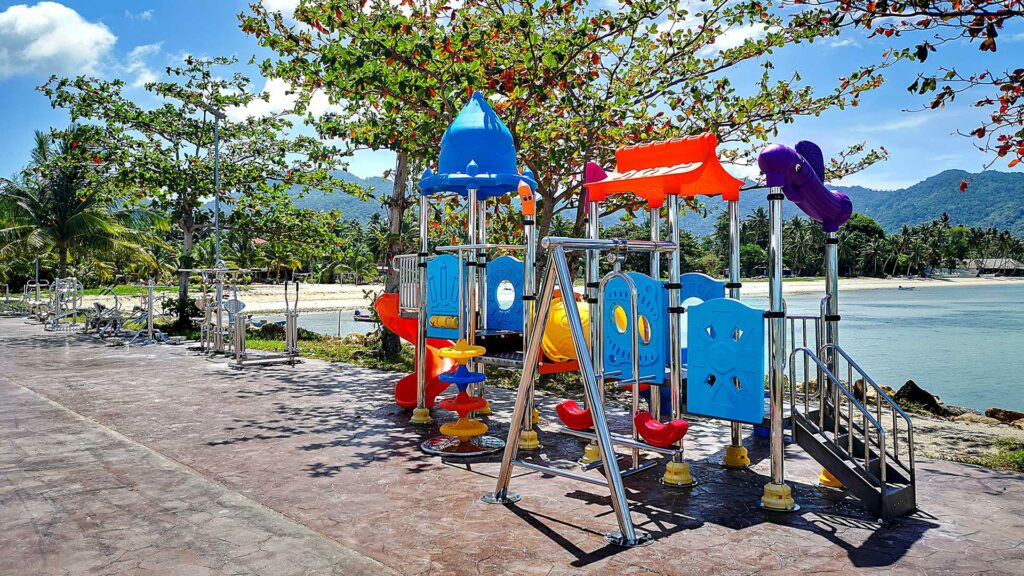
(963, 185)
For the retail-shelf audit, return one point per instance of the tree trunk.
(187, 225)
(391, 346)
(62, 267)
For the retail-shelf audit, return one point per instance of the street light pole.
(217, 117)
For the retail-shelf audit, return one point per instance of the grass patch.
(122, 290)
(362, 350)
(1008, 455)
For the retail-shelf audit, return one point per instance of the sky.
(136, 39)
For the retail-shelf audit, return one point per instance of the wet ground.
(158, 460)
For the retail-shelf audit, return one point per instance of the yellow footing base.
(736, 457)
(827, 479)
(778, 497)
(528, 440)
(421, 416)
(535, 416)
(677, 474)
(591, 454)
(486, 410)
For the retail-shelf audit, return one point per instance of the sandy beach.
(265, 298)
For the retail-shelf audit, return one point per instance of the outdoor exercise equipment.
(65, 306)
(242, 357)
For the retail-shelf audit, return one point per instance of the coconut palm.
(58, 204)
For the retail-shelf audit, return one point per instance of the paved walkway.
(158, 461)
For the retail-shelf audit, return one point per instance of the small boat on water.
(358, 316)
(904, 287)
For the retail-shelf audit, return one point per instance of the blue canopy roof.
(477, 152)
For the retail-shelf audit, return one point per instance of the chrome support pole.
(479, 389)
(529, 306)
(593, 274)
(675, 339)
(776, 342)
(421, 310)
(471, 272)
(832, 297)
(655, 216)
(734, 280)
(501, 495)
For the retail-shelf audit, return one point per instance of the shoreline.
(266, 298)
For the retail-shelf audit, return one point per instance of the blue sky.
(136, 39)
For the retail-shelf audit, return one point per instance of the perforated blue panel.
(702, 286)
(725, 373)
(442, 293)
(499, 270)
(618, 346)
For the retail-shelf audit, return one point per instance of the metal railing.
(838, 414)
(408, 281)
(883, 405)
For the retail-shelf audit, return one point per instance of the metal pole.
(655, 215)
(777, 495)
(677, 472)
(528, 438)
(592, 271)
(216, 189)
(421, 414)
(832, 294)
(481, 286)
(735, 454)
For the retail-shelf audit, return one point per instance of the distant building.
(1000, 266)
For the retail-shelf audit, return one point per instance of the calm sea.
(965, 344)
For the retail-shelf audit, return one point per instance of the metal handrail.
(634, 324)
(470, 247)
(894, 408)
(612, 244)
(852, 403)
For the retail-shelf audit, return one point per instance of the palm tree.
(58, 203)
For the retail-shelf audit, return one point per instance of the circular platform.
(452, 446)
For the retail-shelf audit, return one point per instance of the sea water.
(963, 343)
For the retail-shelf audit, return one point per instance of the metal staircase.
(864, 439)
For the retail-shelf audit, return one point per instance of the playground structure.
(633, 337)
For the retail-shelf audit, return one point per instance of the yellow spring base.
(677, 474)
(535, 416)
(736, 457)
(528, 440)
(486, 410)
(461, 351)
(778, 497)
(591, 454)
(827, 479)
(421, 416)
(464, 429)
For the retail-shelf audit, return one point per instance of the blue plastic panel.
(702, 286)
(442, 293)
(618, 346)
(498, 270)
(725, 373)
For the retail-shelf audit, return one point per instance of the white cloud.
(910, 121)
(135, 64)
(734, 37)
(145, 15)
(279, 99)
(840, 43)
(50, 38)
(285, 7)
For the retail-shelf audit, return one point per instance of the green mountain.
(992, 199)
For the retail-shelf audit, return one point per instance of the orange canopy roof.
(682, 166)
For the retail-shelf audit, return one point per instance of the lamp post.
(218, 115)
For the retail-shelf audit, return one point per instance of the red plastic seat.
(657, 434)
(574, 417)
(643, 387)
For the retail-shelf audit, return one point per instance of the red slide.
(405, 328)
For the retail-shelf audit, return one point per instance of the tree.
(934, 24)
(165, 154)
(572, 82)
(62, 203)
